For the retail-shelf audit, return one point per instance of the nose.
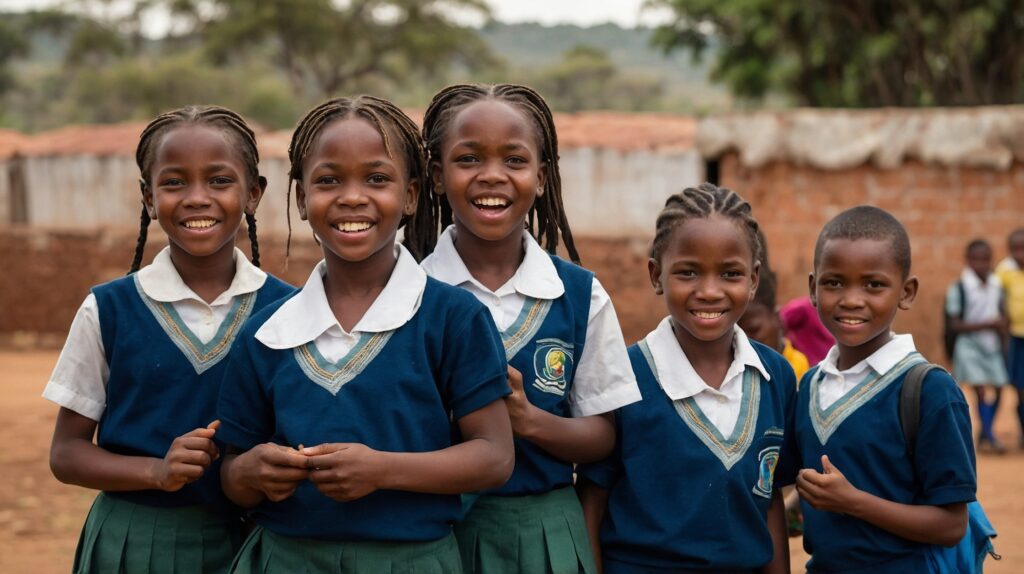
(708, 289)
(351, 195)
(492, 172)
(196, 195)
(851, 299)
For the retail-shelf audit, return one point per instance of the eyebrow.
(475, 144)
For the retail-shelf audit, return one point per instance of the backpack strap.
(910, 403)
(963, 299)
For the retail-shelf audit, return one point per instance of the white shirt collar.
(881, 361)
(161, 282)
(675, 372)
(1008, 263)
(307, 315)
(536, 276)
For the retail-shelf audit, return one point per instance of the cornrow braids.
(546, 220)
(254, 244)
(702, 202)
(390, 121)
(232, 124)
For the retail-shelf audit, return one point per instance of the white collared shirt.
(308, 316)
(835, 384)
(79, 380)
(604, 379)
(680, 381)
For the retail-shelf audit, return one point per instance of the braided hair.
(223, 118)
(546, 220)
(391, 122)
(702, 202)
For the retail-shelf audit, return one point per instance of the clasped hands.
(341, 471)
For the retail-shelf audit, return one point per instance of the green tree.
(13, 45)
(587, 79)
(858, 52)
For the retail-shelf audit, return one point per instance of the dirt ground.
(40, 518)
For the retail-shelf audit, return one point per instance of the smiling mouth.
(199, 223)
(707, 314)
(846, 321)
(353, 226)
(495, 203)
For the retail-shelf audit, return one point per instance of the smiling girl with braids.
(495, 189)
(392, 381)
(693, 484)
(144, 358)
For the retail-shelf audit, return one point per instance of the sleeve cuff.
(607, 401)
(949, 495)
(600, 473)
(486, 393)
(73, 401)
(234, 435)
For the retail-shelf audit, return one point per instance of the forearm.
(474, 465)
(594, 501)
(780, 535)
(580, 440)
(233, 484)
(928, 524)
(81, 462)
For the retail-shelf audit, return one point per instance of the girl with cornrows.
(143, 360)
(360, 408)
(495, 190)
(694, 484)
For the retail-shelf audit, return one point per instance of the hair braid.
(223, 118)
(254, 243)
(546, 220)
(392, 124)
(702, 202)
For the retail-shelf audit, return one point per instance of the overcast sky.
(626, 13)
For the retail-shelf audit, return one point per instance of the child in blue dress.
(360, 408)
(494, 170)
(869, 507)
(145, 355)
(695, 481)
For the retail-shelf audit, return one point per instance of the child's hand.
(828, 490)
(272, 469)
(187, 459)
(520, 410)
(344, 471)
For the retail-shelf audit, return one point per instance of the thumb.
(515, 379)
(214, 425)
(326, 448)
(826, 465)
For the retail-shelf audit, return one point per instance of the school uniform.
(559, 329)
(423, 355)
(853, 417)
(694, 467)
(1012, 277)
(144, 358)
(977, 355)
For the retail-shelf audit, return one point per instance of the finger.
(214, 425)
(826, 465)
(286, 457)
(326, 461)
(277, 495)
(187, 471)
(515, 379)
(197, 443)
(815, 478)
(325, 448)
(283, 475)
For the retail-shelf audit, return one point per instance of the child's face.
(490, 169)
(857, 287)
(708, 276)
(762, 325)
(352, 193)
(979, 259)
(199, 189)
(1016, 245)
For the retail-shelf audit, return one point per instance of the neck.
(358, 278)
(850, 356)
(710, 359)
(492, 263)
(207, 276)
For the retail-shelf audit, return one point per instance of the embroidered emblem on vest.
(551, 361)
(728, 450)
(767, 460)
(201, 355)
(826, 421)
(525, 326)
(332, 376)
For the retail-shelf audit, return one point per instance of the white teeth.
(852, 321)
(200, 223)
(707, 315)
(491, 202)
(353, 226)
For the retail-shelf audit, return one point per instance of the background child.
(1011, 273)
(694, 484)
(144, 358)
(870, 507)
(368, 365)
(974, 304)
(761, 323)
(494, 168)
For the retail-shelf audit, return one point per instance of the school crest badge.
(552, 362)
(767, 460)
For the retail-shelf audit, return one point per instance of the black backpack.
(948, 334)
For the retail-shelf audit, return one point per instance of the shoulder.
(115, 286)
(939, 390)
(444, 302)
(570, 272)
(260, 316)
(776, 365)
(276, 288)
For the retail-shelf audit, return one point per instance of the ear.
(412, 196)
(542, 177)
(810, 289)
(300, 200)
(147, 199)
(755, 280)
(654, 269)
(909, 293)
(256, 191)
(436, 177)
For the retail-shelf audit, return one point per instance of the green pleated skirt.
(536, 534)
(265, 552)
(130, 538)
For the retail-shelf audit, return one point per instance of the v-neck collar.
(332, 376)
(526, 325)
